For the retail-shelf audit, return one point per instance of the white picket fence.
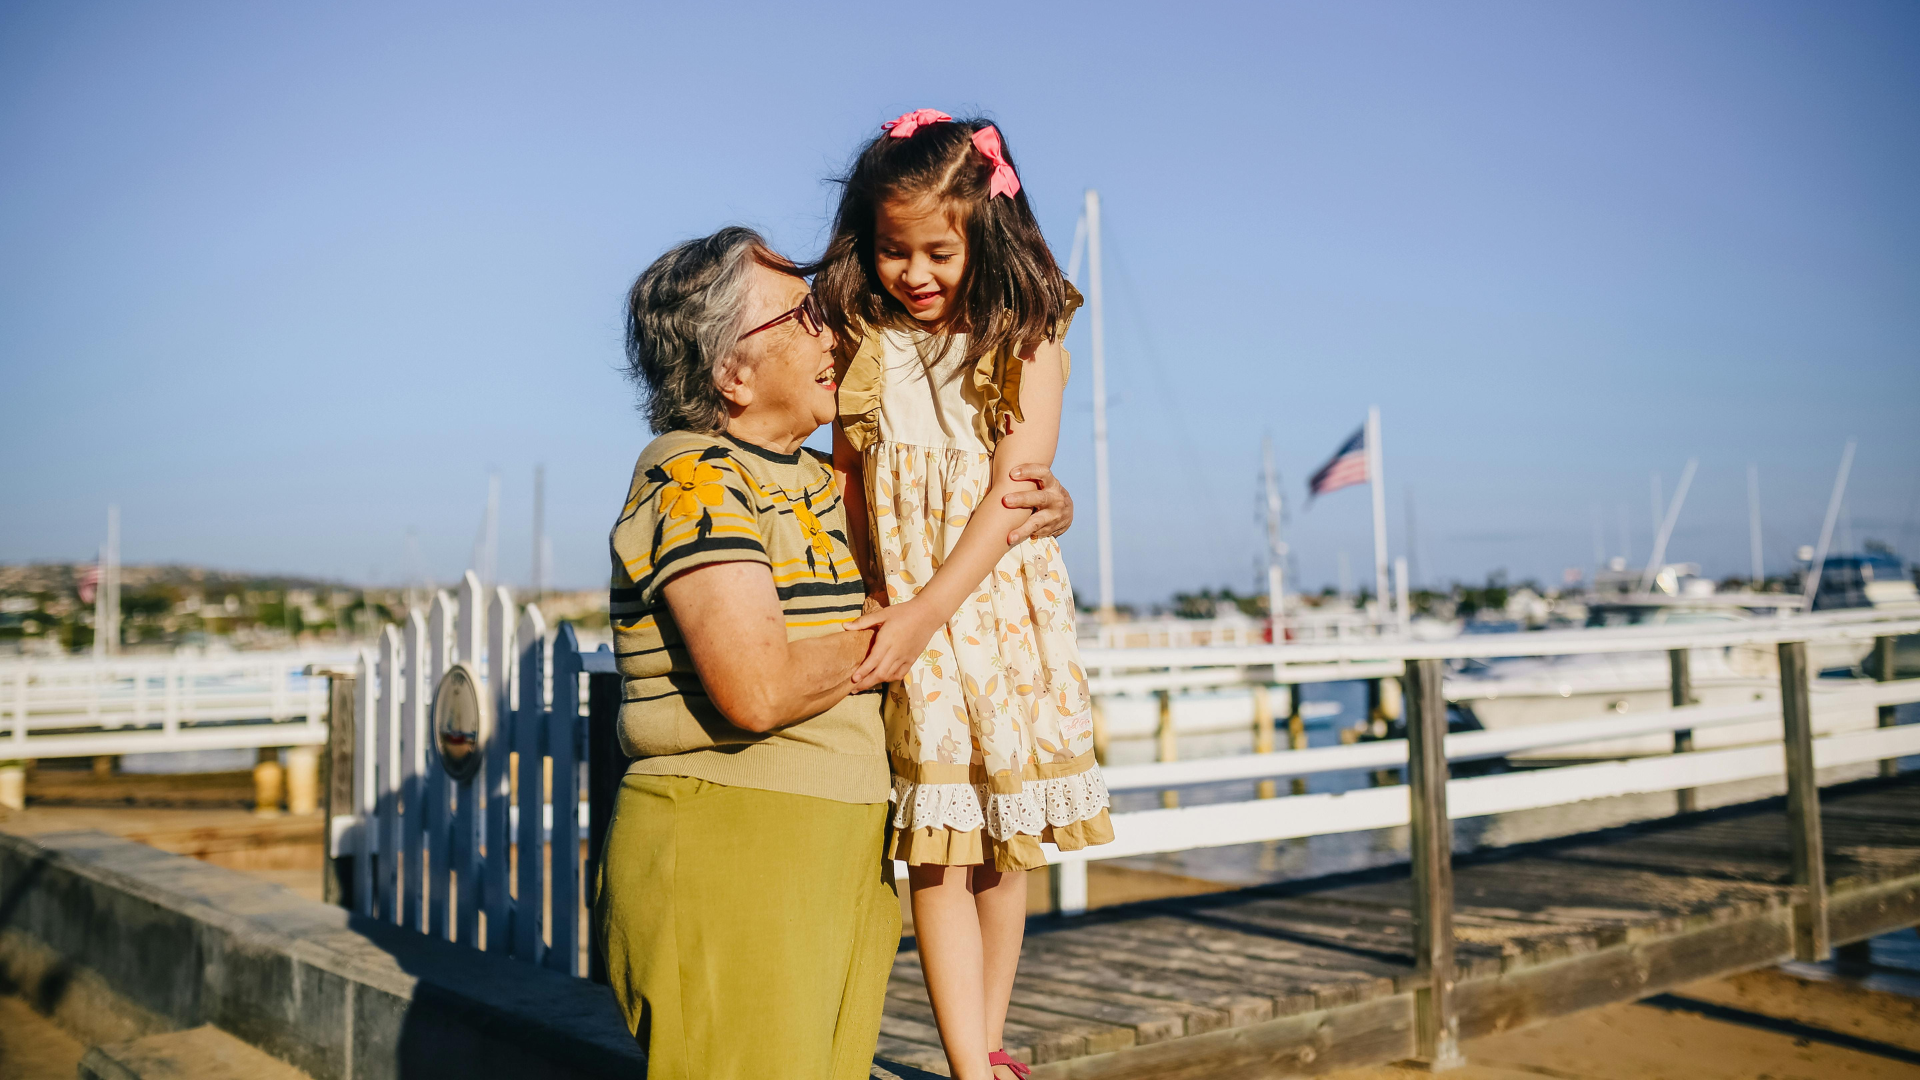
(128, 705)
(492, 861)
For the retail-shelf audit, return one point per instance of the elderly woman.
(748, 916)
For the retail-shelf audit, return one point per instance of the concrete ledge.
(118, 941)
(202, 1053)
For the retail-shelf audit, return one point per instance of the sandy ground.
(1655, 1042)
(32, 1047)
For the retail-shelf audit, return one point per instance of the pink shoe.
(999, 1057)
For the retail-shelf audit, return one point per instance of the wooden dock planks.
(1311, 976)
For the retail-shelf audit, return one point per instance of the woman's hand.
(900, 635)
(1051, 505)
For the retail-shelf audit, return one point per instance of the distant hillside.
(63, 578)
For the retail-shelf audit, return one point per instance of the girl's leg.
(1000, 899)
(947, 929)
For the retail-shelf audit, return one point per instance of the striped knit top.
(700, 499)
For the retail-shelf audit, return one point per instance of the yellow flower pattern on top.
(692, 483)
(816, 533)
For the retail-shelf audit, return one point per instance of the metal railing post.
(1811, 940)
(1889, 714)
(1436, 1026)
(1680, 667)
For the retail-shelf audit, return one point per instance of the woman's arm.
(902, 630)
(736, 635)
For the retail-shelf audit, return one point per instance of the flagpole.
(1103, 514)
(100, 605)
(1376, 477)
(113, 579)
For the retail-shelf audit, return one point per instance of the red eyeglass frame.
(812, 319)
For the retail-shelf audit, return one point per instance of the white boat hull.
(1517, 693)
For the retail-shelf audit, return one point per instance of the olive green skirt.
(748, 934)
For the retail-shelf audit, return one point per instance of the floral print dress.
(990, 735)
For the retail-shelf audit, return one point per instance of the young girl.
(950, 311)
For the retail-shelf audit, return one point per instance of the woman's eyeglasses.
(807, 311)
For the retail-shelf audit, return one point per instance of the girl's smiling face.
(920, 253)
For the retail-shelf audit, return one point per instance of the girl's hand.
(900, 635)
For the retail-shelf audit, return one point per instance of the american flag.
(1347, 467)
(88, 581)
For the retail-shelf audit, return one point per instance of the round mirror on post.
(461, 721)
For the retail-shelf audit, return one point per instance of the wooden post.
(496, 895)
(1262, 719)
(606, 764)
(1168, 744)
(1436, 1027)
(1680, 686)
(1263, 735)
(563, 746)
(527, 938)
(1296, 734)
(1067, 888)
(336, 780)
(1810, 935)
(269, 782)
(1883, 672)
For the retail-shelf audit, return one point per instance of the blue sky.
(286, 281)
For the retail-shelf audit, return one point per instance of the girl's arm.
(850, 473)
(903, 628)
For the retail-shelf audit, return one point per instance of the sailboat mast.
(1276, 596)
(1664, 530)
(1103, 513)
(1753, 524)
(539, 532)
(1819, 564)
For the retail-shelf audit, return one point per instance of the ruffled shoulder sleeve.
(858, 366)
(996, 379)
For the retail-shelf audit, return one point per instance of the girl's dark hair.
(1013, 293)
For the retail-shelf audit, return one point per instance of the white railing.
(87, 707)
(1220, 824)
(1300, 662)
(1172, 633)
(1309, 626)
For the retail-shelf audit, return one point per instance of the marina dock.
(423, 897)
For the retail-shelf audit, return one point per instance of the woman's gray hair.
(685, 313)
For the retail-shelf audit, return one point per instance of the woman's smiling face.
(920, 253)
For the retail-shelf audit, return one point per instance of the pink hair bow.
(1004, 181)
(911, 122)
